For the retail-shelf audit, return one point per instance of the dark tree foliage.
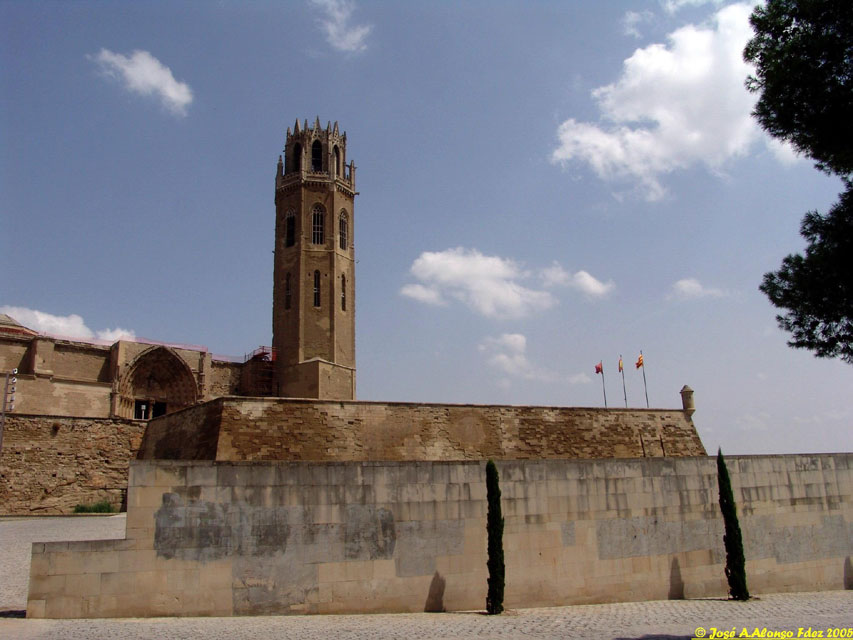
(495, 530)
(735, 561)
(803, 53)
(816, 289)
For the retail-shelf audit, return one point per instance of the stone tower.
(314, 275)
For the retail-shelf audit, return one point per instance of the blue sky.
(543, 185)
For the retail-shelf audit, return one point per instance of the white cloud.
(631, 21)
(758, 421)
(144, 74)
(582, 281)
(691, 288)
(823, 417)
(508, 354)
(580, 378)
(423, 294)
(487, 284)
(42, 322)
(71, 326)
(782, 151)
(671, 6)
(112, 335)
(674, 106)
(340, 34)
(555, 275)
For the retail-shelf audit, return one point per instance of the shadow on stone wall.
(676, 584)
(435, 598)
(848, 574)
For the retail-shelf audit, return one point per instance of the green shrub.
(735, 560)
(103, 506)
(495, 530)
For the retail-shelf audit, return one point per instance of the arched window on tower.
(318, 235)
(296, 159)
(343, 231)
(337, 162)
(290, 228)
(343, 292)
(316, 288)
(288, 292)
(316, 156)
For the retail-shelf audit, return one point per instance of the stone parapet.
(292, 429)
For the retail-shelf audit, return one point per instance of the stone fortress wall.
(49, 464)
(249, 538)
(235, 428)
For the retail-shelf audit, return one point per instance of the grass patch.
(103, 506)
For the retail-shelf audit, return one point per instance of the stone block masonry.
(240, 538)
(49, 464)
(288, 429)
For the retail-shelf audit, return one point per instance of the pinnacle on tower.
(317, 123)
(296, 127)
(335, 129)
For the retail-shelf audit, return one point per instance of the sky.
(543, 186)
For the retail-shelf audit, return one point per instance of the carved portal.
(157, 382)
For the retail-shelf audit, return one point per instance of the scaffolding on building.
(258, 372)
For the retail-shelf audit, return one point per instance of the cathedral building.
(313, 320)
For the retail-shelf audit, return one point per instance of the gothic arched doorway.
(157, 382)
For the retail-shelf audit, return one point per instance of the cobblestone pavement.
(661, 620)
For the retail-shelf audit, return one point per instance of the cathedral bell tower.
(313, 320)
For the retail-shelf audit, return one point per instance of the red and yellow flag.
(599, 368)
(640, 361)
(620, 364)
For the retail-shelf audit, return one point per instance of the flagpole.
(622, 370)
(602, 387)
(645, 386)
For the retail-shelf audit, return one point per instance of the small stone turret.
(687, 401)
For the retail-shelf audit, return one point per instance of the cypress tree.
(495, 530)
(735, 560)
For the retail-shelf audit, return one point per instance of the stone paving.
(662, 620)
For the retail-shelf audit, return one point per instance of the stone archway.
(157, 382)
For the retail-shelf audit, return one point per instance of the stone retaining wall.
(226, 538)
(49, 464)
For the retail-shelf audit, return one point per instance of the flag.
(599, 368)
(620, 364)
(640, 361)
